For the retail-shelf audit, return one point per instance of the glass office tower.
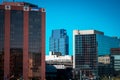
(59, 42)
(87, 45)
(105, 43)
(22, 41)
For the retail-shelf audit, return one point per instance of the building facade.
(115, 53)
(105, 66)
(59, 42)
(22, 41)
(85, 55)
(105, 70)
(87, 45)
(58, 67)
(105, 59)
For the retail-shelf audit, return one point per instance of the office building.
(58, 67)
(105, 59)
(59, 60)
(105, 66)
(87, 45)
(85, 55)
(105, 70)
(22, 41)
(59, 42)
(115, 53)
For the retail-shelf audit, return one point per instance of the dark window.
(35, 43)
(1, 43)
(16, 43)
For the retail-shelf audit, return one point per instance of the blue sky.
(102, 15)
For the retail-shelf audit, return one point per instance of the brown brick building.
(22, 41)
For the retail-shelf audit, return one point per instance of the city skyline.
(102, 15)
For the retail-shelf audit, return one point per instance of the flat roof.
(19, 4)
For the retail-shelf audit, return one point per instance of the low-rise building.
(105, 59)
(115, 53)
(58, 67)
(105, 66)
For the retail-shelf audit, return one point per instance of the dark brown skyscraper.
(22, 41)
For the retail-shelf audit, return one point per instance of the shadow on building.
(52, 73)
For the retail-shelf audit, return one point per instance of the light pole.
(80, 75)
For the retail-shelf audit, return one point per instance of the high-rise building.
(115, 53)
(87, 45)
(22, 41)
(59, 42)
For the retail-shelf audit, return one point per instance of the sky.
(102, 15)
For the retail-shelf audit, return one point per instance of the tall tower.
(22, 41)
(85, 54)
(87, 45)
(59, 42)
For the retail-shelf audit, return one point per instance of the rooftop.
(19, 4)
(88, 32)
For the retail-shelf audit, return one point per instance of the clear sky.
(102, 15)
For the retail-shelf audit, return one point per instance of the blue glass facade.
(105, 43)
(59, 41)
